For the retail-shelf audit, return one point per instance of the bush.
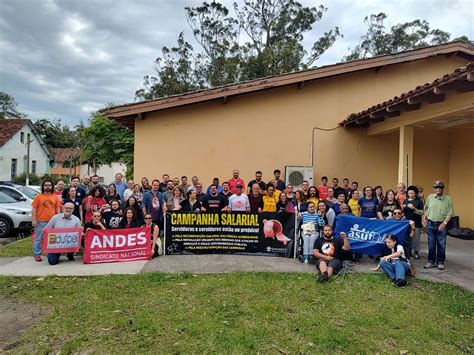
(37, 180)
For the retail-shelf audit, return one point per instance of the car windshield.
(28, 191)
(4, 198)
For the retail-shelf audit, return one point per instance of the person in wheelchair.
(310, 223)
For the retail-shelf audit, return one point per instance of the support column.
(405, 155)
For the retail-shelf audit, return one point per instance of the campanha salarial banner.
(105, 246)
(203, 233)
(366, 235)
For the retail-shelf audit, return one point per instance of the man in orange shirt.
(45, 206)
(401, 193)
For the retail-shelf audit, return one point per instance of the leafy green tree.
(273, 33)
(104, 141)
(401, 37)
(8, 107)
(276, 31)
(56, 134)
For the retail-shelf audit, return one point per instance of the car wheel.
(5, 227)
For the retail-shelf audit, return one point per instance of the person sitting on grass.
(156, 243)
(394, 261)
(328, 251)
(63, 220)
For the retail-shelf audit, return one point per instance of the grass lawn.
(23, 247)
(241, 313)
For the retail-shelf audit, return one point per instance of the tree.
(104, 141)
(57, 135)
(273, 33)
(401, 37)
(8, 107)
(276, 30)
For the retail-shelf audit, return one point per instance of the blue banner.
(366, 235)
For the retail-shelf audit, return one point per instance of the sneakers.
(324, 278)
(416, 256)
(440, 266)
(400, 283)
(306, 260)
(38, 258)
(429, 265)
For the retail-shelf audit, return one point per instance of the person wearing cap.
(437, 213)
(239, 202)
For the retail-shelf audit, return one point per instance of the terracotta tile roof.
(126, 114)
(9, 127)
(63, 154)
(460, 80)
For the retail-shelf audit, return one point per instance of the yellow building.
(324, 118)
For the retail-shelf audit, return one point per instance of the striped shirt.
(307, 217)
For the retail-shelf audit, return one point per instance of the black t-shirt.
(77, 206)
(215, 204)
(112, 220)
(202, 198)
(186, 206)
(410, 214)
(91, 225)
(109, 198)
(387, 208)
(256, 202)
(226, 197)
(80, 193)
(133, 224)
(262, 185)
(331, 247)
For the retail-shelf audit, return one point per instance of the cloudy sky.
(66, 58)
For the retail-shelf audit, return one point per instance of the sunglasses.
(439, 187)
(397, 213)
(147, 217)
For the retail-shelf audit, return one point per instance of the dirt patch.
(15, 319)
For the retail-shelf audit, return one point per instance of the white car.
(14, 216)
(20, 193)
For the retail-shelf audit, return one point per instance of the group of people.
(129, 204)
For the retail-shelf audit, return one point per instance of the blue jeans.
(396, 270)
(53, 258)
(436, 243)
(38, 244)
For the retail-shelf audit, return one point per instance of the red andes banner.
(62, 240)
(112, 245)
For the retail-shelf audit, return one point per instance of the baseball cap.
(438, 184)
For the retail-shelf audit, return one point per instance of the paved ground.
(459, 265)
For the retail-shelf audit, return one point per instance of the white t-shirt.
(127, 193)
(239, 203)
(402, 253)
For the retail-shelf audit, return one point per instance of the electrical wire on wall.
(333, 129)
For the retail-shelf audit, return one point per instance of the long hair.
(134, 217)
(94, 189)
(44, 182)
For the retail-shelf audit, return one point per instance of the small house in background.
(67, 162)
(105, 172)
(14, 137)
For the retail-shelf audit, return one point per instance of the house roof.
(126, 114)
(64, 154)
(9, 127)
(460, 80)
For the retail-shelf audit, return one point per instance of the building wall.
(273, 129)
(106, 172)
(461, 174)
(14, 149)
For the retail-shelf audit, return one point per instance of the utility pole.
(27, 173)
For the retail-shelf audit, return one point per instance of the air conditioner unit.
(295, 175)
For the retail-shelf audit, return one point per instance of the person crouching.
(328, 251)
